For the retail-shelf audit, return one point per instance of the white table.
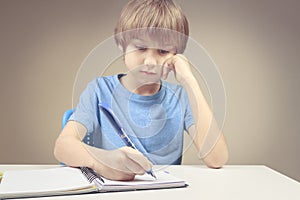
(240, 182)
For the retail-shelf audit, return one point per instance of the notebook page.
(162, 178)
(43, 180)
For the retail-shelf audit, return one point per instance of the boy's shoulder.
(102, 82)
(174, 89)
(172, 86)
(107, 80)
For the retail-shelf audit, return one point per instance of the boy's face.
(145, 58)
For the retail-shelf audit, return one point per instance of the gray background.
(254, 43)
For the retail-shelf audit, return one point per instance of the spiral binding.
(91, 175)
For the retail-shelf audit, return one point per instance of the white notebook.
(68, 180)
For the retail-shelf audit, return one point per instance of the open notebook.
(69, 180)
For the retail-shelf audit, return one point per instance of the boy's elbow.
(217, 162)
(55, 150)
(58, 148)
(218, 156)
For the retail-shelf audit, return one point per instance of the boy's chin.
(150, 81)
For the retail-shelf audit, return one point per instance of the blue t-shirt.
(155, 124)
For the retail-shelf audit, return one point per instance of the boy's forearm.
(214, 153)
(200, 109)
(72, 152)
(119, 164)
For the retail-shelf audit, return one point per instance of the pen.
(116, 124)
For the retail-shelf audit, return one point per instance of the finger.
(138, 158)
(168, 66)
(114, 174)
(166, 71)
(134, 167)
(121, 175)
(126, 177)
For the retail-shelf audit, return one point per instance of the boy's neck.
(137, 88)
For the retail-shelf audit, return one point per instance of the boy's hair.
(163, 17)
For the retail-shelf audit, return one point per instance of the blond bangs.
(160, 14)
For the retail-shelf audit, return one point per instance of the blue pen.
(116, 124)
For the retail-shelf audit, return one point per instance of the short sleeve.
(188, 115)
(87, 112)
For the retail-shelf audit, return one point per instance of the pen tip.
(153, 175)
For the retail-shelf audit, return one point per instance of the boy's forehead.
(154, 38)
(153, 42)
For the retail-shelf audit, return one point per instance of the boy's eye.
(161, 51)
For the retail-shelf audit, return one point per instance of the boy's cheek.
(131, 57)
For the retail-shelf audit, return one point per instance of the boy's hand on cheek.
(180, 66)
(122, 164)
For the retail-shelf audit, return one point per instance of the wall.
(255, 44)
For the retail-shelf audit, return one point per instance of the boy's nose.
(150, 59)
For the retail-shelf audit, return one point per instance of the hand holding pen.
(116, 125)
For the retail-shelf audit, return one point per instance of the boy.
(154, 113)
